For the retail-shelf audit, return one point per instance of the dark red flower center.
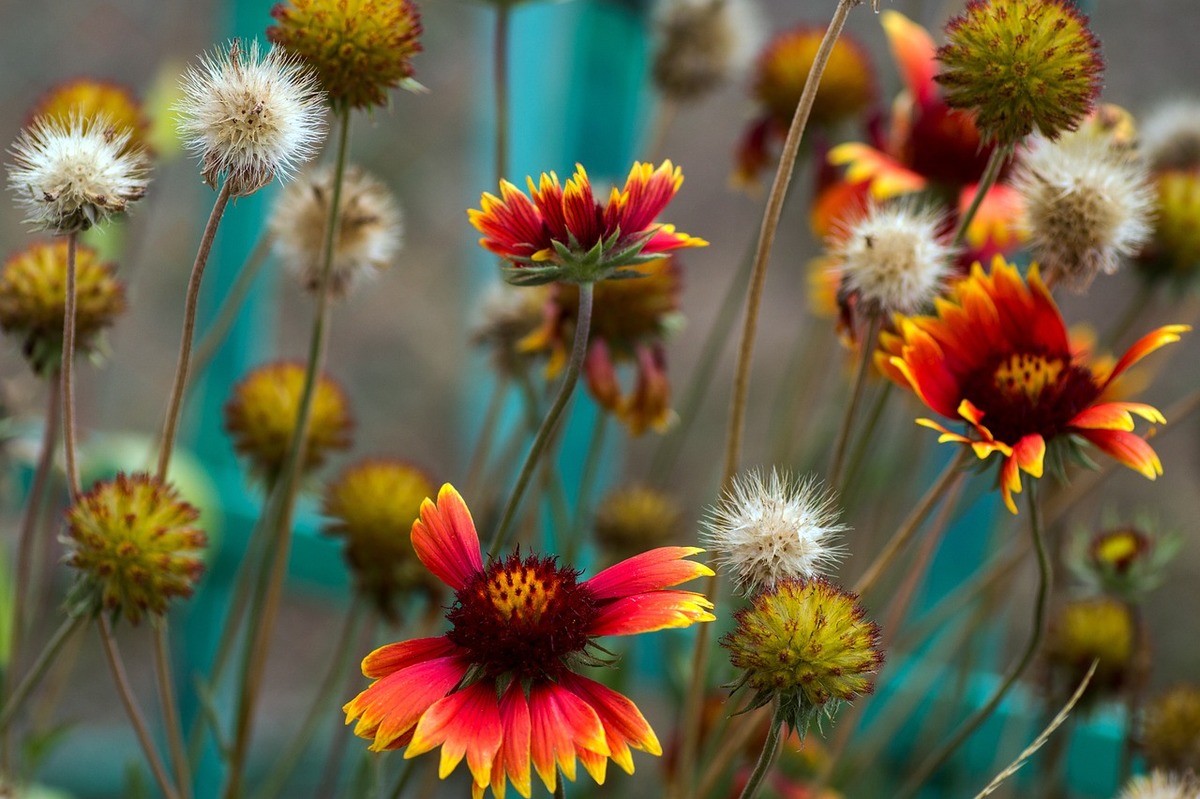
(522, 616)
(1025, 392)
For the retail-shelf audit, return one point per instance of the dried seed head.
(1171, 136)
(1171, 730)
(701, 44)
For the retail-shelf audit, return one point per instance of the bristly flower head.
(1020, 66)
(564, 233)
(358, 48)
(1161, 785)
(503, 686)
(33, 299)
(368, 235)
(700, 44)
(92, 100)
(250, 117)
(1171, 730)
(134, 541)
(1086, 204)
(807, 645)
(767, 528)
(896, 259)
(70, 175)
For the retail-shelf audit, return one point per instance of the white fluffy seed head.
(1171, 136)
(368, 235)
(893, 258)
(250, 117)
(1086, 204)
(772, 527)
(702, 44)
(71, 175)
(1161, 785)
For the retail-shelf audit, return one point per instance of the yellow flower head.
(33, 295)
(359, 48)
(1171, 730)
(1174, 251)
(93, 99)
(846, 89)
(134, 541)
(635, 517)
(261, 417)
(1093, 629)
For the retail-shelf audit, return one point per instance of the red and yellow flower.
(997, 356)
(561, 232)
(502, 688)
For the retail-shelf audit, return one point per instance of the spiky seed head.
(636, 517)
(701, 43)
(1171, 730)
(1161, 785)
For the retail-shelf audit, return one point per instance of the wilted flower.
(1161, 785)
(89, 99)
(1171, 730)
(700, 43)
(70, 175)
(261, 418)
(1100, 629)
(804, 644)
(997, 356)
(33, 297)
(358, 49)
(134, 542)
(771, 528)
(503, 687)
(368, 235)
(1021, 66)
(250, 117)
(634, 517)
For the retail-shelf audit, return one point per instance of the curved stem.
(39, 668)
(117, 666)
(170, 709)
(578, 351)
(766, 758)
(990, 174)
(942, 754)
(68, 370)
(860, 381)
(175, 403)
(500, 85)
(560, 790)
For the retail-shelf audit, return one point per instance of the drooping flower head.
(368, 235)
(1161, 785)
(261, 416)
(359, 49)
(700, 44)
(564, 233)
(90, 99)
(250, 116)
(634, 517)
(135, 543)
(33, 298)
(805, 644)
(70, 175)
(503, 687)
(1021, 66)
(1171, 730)
(631, 320)
(997, 357)
(370, 506)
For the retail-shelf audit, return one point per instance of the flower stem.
(175, 403)
(38, 670)
(736, 735)
(560, 790)
(170, 709)
(544, 433)
(942, 754)
(874, 416)
(117, 666)
(68, 370)
(860, 381)
(500, 85)
(766, 758)
(1000, 154)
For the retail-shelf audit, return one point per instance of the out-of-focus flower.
(1086, 204)
(33, 297)
(1170, 136)
(1171, 730)
(1174, 250)
(372, 506)
(700, 44)
(135, 544)
(997, 356)
(564, 233)
(1021, 66)
(634, 517)
(1127, 560)
(89, 99)
(1161, 785)
(507, 316)
(768, 528)
(630, 321)
(1100, 629)
(368, 235)
(249, 116)
(359, 48)
(847, 89)
(261, 417)
(70, 175)
(503, 687)
(806, 645)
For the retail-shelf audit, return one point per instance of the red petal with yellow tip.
(1146, 345)
(914, 51)
(1129, 449)
(887, 177)
(466, 722)
(1116, 416)
(655, 610)
(393, 657)
(560, 724)
(445, 539)
(391, 706)
(624, 725)
(513, 758)
(649, 571)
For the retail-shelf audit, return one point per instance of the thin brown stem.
(856, 391)
(991, 173)
(170, 709)
(68, 371)
(175, 403)
(39, 668)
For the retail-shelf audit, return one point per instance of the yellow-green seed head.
(1171, 730)
(1093, 629)
(1020, 66)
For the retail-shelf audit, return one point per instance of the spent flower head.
(701, 43)
(135, 543)
(250, 116)
(1161, 785)
(768, 528)
(368, 235)
(72, 174)
(1021, 66)
(1170, 136)
(1126, 560)
(1171, 730)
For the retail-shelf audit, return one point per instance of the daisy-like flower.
(700, 44)
(368, 235)
(503, 687)
(1161, 785)
(564, 233)
(249, 116)
(70, 175)
(767, 528)
(997, 356)
(1085, 204)
(93, 99)
(1171, 730)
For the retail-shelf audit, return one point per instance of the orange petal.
(390, 707)
(445, 539)
(649, 571)
(560, 722)
(1030, 454)
(888, 177)
(1146, 345)
(513, 758)
(624, 724)
(466, 722)
(913, 49)
(393, 657)
(655, 610)
(1129, 449)
(1116, 416)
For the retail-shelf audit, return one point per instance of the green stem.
(941, 755)
(39, 668)
(500, 78)
(991, 173)
(68, 370)
(544, 433)
(191, 301)
(560, 789)
(766, 758)
(856, 392)
(407, 770)
(170, 710)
